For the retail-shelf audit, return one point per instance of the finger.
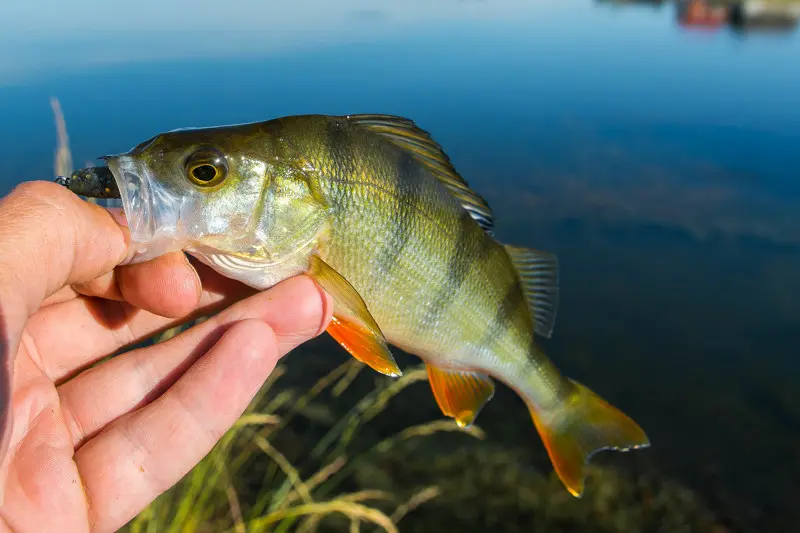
(72, 335)
(64, 294)
(49, 238)
(133, 461)
(167, 285)
(136, 283)
(296, 309)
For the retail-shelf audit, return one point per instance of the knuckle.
(39, 199)
(36, 190)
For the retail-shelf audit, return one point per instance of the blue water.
(659, 162)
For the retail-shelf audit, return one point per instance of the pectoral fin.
(352, 325)
(460, 395)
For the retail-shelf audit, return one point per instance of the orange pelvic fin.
(460, 395)
(583, 425)
(364, 345)
(352, 324)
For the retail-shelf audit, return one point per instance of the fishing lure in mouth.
(93, 182)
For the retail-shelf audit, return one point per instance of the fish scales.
(440, 295)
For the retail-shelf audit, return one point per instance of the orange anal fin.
(583, 425)
(460, 395)
(363, 345)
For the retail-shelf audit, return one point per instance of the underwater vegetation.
(247, 483)
(300, 460)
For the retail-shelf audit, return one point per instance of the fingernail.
(198, 281)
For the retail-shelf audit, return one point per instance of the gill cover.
(153, 212)
(232, 196)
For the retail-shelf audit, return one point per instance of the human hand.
(86, 450)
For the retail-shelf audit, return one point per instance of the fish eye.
(204, 173)
(206, 167)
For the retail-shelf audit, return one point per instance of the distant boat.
(703, 14)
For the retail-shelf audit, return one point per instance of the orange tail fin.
(582, 426)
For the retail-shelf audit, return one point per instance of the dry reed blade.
(63, 156)
(236, 509)
(291, 472)
(349, 509)
(415, 501)
(317, 479)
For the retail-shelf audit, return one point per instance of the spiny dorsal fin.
(538, 272)
(404, 133)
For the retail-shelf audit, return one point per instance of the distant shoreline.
(769, 15)
(766, 3)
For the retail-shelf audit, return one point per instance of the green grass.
(299, 494)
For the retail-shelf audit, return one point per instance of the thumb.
(49, 238)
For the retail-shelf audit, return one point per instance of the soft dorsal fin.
(538, 272)
(404, 133)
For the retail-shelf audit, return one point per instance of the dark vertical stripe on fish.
(467, 252)
(340, 156)
(400, 232)
(512, 304)
(338, 143)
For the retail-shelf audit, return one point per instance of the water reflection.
(95, 33)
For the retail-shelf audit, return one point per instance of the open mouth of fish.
(152, 212)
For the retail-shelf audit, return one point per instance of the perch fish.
(372, 208)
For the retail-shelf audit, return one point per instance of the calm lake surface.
(659, 161)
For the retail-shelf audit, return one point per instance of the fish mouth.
(151, 211)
